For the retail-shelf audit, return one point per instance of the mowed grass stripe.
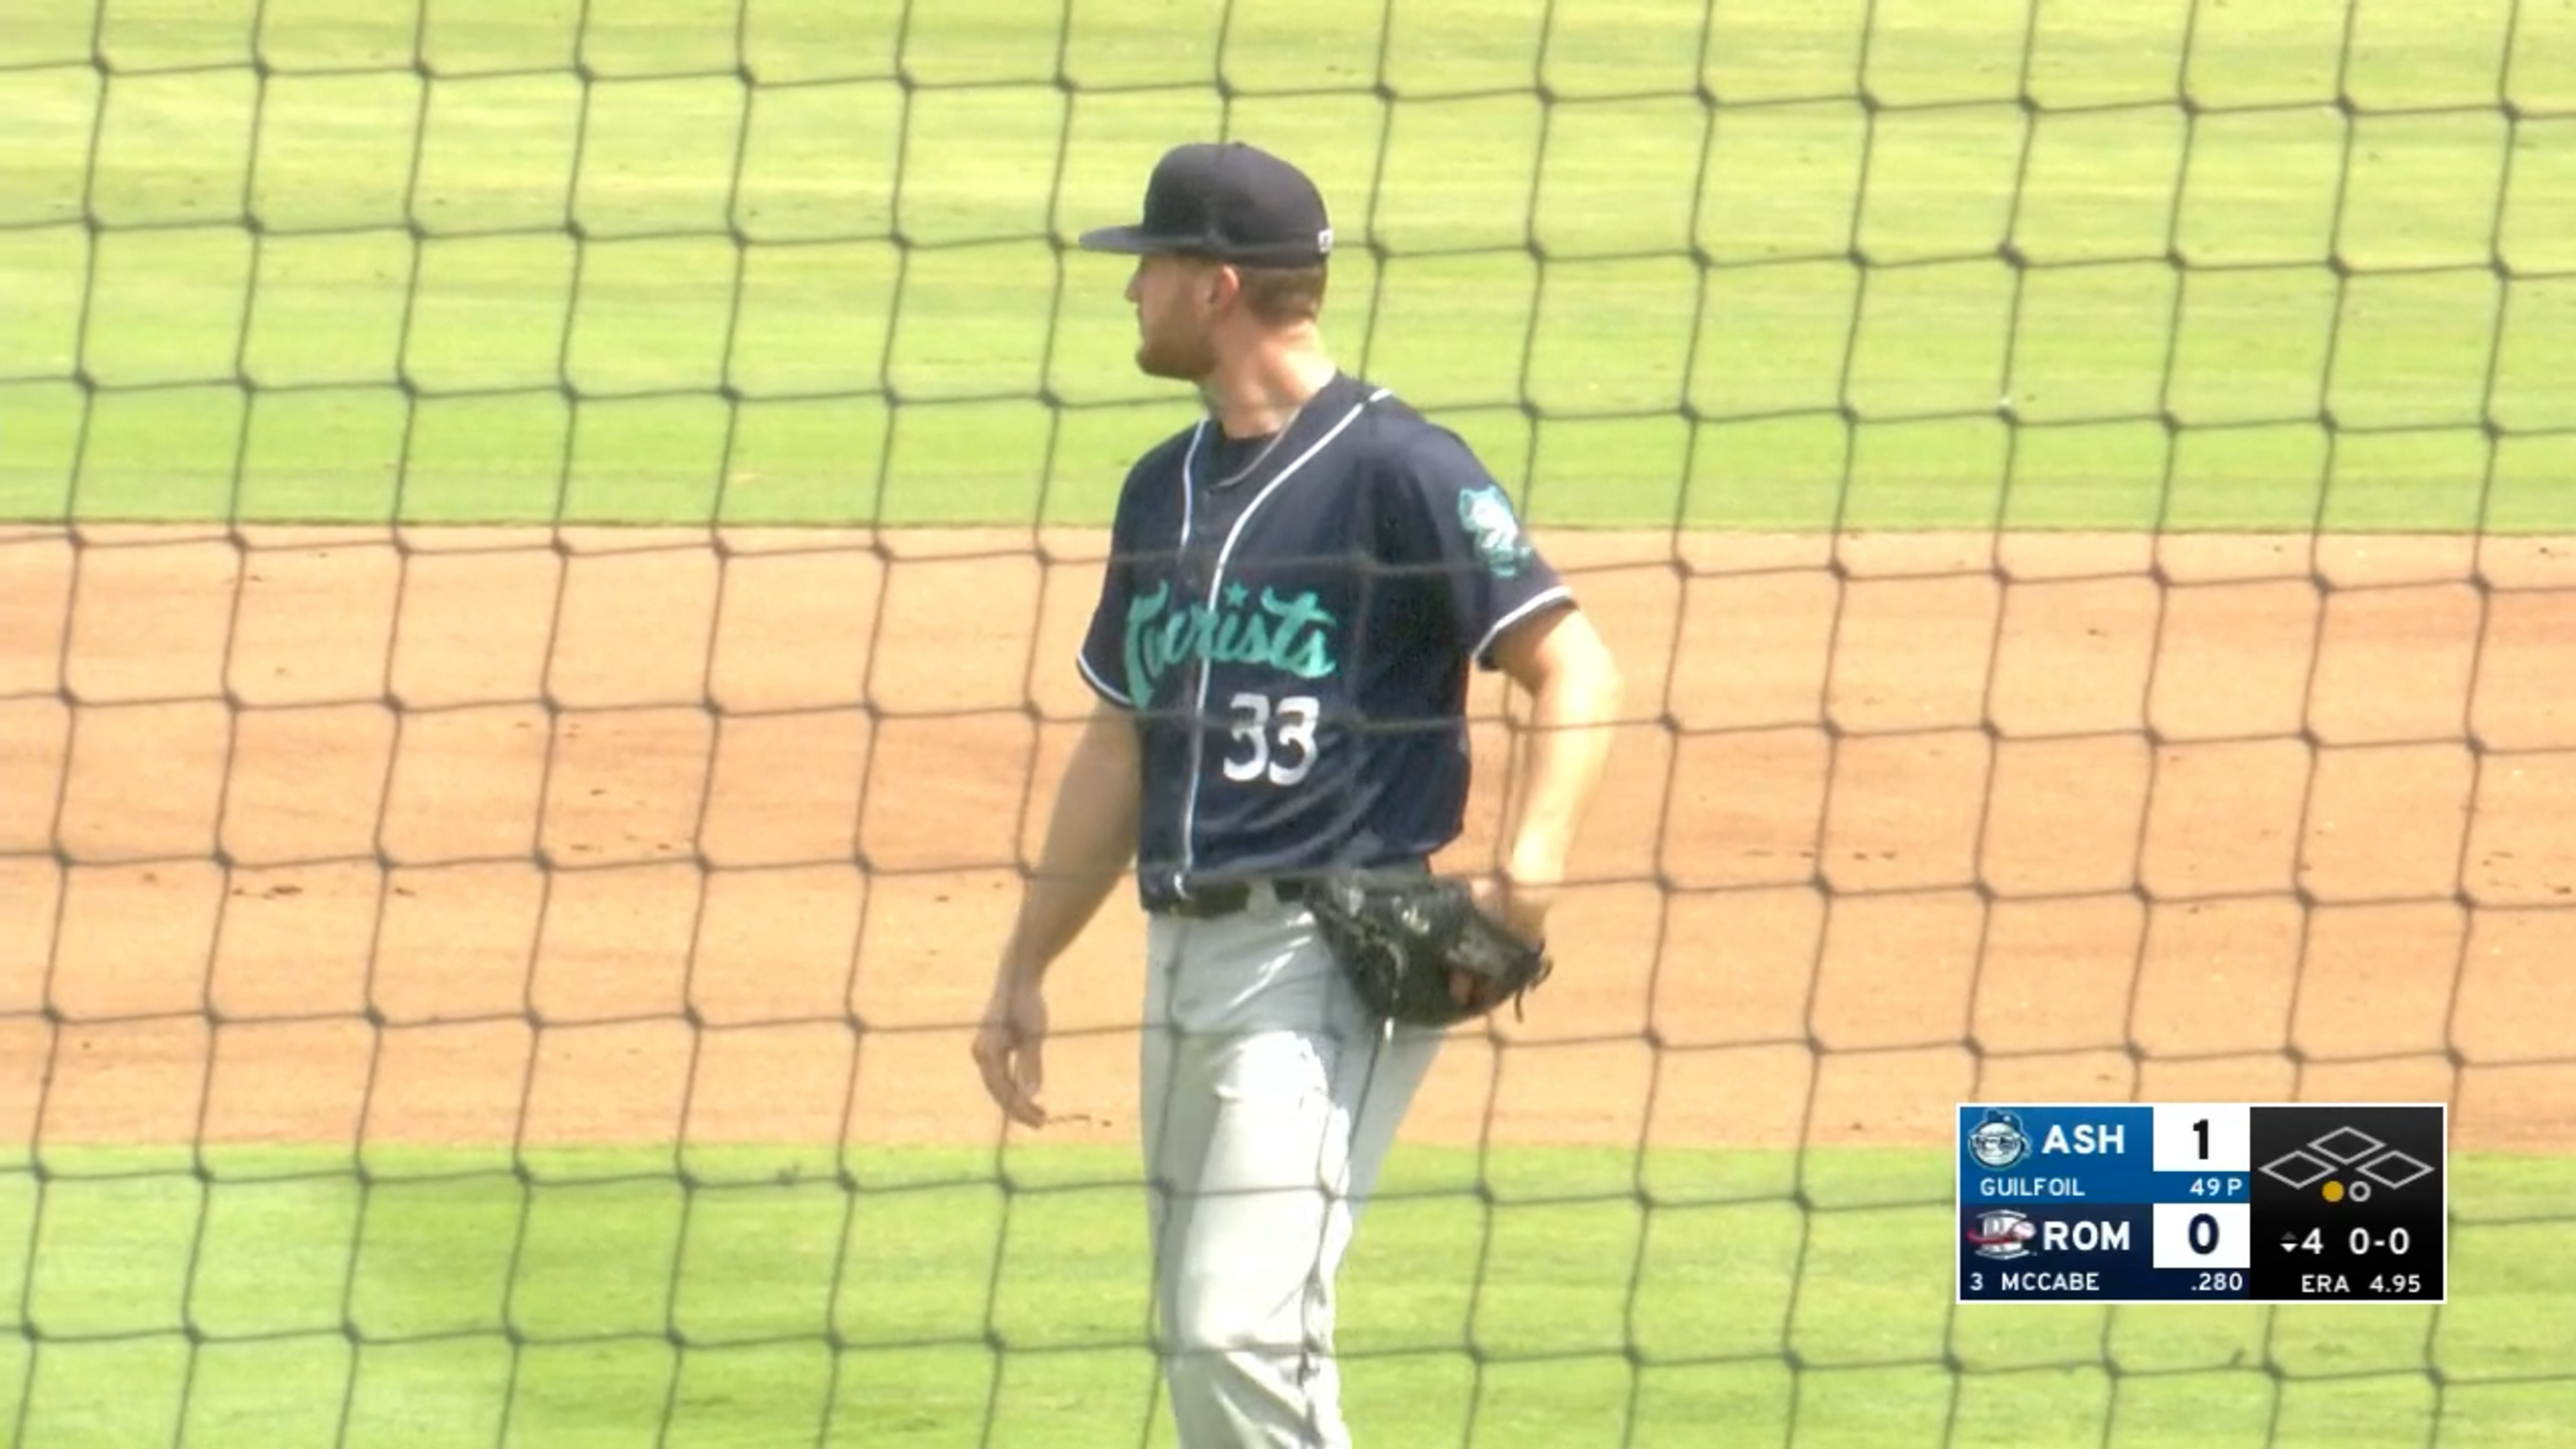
(401, 1296)
(904, 343)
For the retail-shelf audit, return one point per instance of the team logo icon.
(2002, 1233)
(1998, 1142)
(1487, 515)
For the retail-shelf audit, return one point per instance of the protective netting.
(544, 545)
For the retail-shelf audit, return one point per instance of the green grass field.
(394, 1303)
(859, 249)
(895, 317)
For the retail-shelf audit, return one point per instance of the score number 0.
(2212, 1137)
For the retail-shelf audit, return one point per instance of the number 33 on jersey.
(1253, 714)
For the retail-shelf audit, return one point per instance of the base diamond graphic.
(2394, 1170)
(2298, 1169)
(2347, 1144)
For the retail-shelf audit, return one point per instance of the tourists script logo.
(1292, 635)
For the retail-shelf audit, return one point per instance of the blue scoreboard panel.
(2220, 1201)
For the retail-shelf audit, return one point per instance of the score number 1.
(2218, 1237)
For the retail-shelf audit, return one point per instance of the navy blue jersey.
(1294, 641)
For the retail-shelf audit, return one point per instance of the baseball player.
(1298, 584)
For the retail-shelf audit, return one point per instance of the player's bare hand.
(1517, 903)
(1010, 1047)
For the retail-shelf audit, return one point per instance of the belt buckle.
(1215, 899)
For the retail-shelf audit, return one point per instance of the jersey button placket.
(1198, 584)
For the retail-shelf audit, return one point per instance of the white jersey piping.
(1558, 595)
(1215, 587)
(1115, 696)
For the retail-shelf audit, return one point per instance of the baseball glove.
(1400, 938)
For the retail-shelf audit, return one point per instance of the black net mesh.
(542, 547)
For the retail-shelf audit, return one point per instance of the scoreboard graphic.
(2231, 1202)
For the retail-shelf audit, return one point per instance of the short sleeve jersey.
(1294, 641)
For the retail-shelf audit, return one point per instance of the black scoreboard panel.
(2349, 1203)
(2225, 1202)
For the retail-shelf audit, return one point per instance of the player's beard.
(1175, 352)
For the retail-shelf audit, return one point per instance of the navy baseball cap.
(1229, 201)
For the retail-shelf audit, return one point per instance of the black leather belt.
(1208, 900)
(1214, 899)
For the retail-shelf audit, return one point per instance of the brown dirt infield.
(294, 848)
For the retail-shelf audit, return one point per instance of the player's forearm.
(1090, 839)
(1567, 748)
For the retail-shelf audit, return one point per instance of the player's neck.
(1256, 392)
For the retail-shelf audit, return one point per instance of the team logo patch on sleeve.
(1487, 516)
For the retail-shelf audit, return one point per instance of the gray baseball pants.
(1270, 1099)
